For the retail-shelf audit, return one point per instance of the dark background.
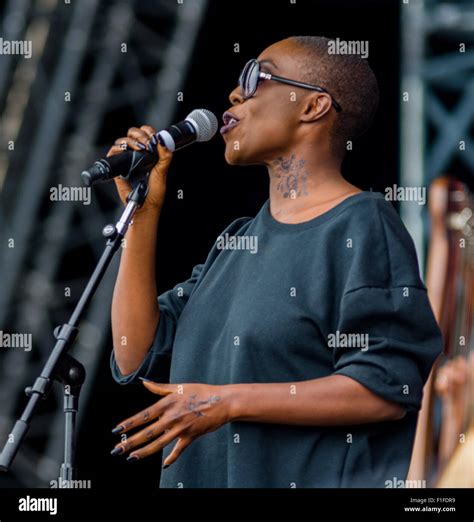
(215, 193)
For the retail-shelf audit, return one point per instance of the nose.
(235, 96)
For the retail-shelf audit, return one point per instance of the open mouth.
(230, 121)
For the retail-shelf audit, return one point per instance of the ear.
(315, 106)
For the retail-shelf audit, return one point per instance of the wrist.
(235, 397)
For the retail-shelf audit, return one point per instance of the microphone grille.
(205, 123)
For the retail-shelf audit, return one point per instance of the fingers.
(153, 431)
(136, 139)
(147, 415)
(156, 445)
(158, 388)
(125, 143)
(150, 132)
(165, 155)
(145, 135)
(141, 139)
(181, 444)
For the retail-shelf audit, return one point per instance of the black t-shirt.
(274, 302)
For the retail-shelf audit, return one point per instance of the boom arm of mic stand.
(60, 365)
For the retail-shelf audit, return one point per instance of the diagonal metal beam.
(37, 307)
(176, 60)
(12, 29)
(454, 128)
(447, 65)
(47, 137)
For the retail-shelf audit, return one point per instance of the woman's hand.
(144, 139)
(184, 413)
(190, 410)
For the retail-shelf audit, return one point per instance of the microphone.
(199, 125)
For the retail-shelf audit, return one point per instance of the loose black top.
(273, 302)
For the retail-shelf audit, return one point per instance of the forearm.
(329, 401)
(135, 311)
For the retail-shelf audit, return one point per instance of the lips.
(230, 121)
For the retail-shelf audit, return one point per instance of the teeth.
(229, 120)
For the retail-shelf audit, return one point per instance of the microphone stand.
(61, 366)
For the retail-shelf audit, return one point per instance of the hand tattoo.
(291, 175)
(193, 404)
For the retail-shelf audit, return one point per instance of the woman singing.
(298, 362)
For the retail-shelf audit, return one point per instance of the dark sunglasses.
(251, 75)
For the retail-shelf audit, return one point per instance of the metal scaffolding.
(438, 113)
(91, 59)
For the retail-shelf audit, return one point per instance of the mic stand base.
(60, 365)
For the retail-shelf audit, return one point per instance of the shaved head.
(348, 78)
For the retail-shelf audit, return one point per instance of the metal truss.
(91, 60)
(437, 119)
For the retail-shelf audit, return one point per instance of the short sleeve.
(387, 340)
(157, 361)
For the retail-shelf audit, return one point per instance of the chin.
(236, 157)
(233, 160)
(233, 157)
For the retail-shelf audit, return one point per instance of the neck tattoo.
(291, 176)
